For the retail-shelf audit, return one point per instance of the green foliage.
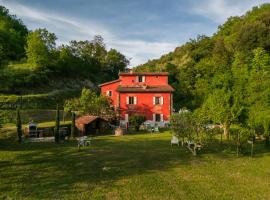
(225, 77)
(188, 125)
(137, 120)
(90, 103)
(36, 101)
(19, 126)
(32, 60)
(57, 125)
(12, 36)
(40, 43)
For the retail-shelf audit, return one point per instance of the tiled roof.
(109, 82)
(86, 119)
(144, 88)
(144, 73)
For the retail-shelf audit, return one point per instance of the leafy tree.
(12, 36)
(181, 124)
(90, 103)
(40, 45)
(116, 62)
(259, 91)
(137, 120)
(57, 125)
(19, 126)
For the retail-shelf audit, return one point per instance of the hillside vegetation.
(30, 60)
(225, 78)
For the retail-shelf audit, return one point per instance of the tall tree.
(40, 44)
(19, 126)
(73, 117)
(57, 125)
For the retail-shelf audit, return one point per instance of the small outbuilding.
(91, 125)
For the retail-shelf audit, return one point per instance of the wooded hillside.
(30, 61)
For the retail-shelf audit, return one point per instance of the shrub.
(136, 121)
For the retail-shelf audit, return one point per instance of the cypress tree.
(73, 125)
(19, 126)
(57, 124)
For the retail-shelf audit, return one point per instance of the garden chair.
(84, 141)
(156, 129)
(174, 140)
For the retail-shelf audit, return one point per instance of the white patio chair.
(174, 140)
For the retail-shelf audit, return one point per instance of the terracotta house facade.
(143, 93)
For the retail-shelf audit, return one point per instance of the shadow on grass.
(48, 170)
(51, 171)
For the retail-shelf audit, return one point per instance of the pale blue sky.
(140, 29)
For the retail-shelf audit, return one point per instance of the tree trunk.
(267, 142)
(226, 132)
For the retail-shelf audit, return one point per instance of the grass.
(135, 166)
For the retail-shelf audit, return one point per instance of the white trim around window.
(157, 100)
(131, 100)
(109, 93)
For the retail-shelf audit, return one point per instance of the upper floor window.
(109, 93)
(140, 79)
(158, 100)
(131, 100)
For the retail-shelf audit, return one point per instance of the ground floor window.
(158, 117)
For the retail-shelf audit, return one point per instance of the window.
(158, 100)
(141, 79)
(109, 93)
(158, 118)
(130, 100)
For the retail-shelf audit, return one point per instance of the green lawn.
(141, 166)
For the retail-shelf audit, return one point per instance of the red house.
(144, 93)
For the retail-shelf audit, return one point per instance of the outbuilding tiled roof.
(86, 119)
(144, 88)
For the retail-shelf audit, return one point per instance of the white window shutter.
(107, 93)
(126, 117)
(135, 100)
(137, 78)
(143, 79)
(127, 100)
(161, 117)
(161, 100)
(154, 101)
(154, 117)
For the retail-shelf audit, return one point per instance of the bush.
(136, 121)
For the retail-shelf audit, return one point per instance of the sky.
(139, 29)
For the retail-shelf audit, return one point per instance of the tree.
(40, 44)
(72, 132)
(12, 36)
(90, 103)
(115, 62)
(57, 125)
(137, 120)
(19, 126)
(181, 124)
(259, 92)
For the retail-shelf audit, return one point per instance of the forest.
(225, 78)
(31, 62)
